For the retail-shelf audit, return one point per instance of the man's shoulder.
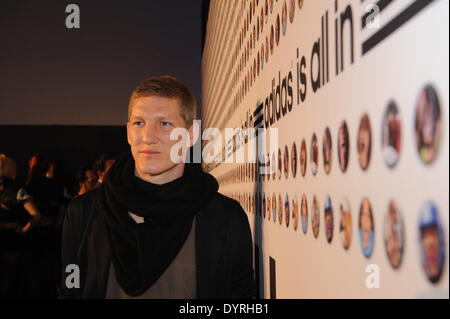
(224, 207)
(88, 198)
(82, 206)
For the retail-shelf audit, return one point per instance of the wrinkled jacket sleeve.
(242, 280)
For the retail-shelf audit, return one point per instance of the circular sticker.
(328, 215)
(314, 154)
(294, 159)
(431, 240)
(391, 135)
(327, 152)
(284, 18)
(304, 213)
(428, 125)
(345, 228)
(343, 146)
(394, 234)
(366, 228)
(364, 143)
(295, 211)
(286, 210)
(303, 158)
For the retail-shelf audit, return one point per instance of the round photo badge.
(254, 37)
(274, 207)
(304, 213)
(303, 158)
(264, 205)
(364, 143)
(277, 30)
(366, 228)
(261, 20)
(286, 210)
(300, 4)
(280, 164)
(274, 166)
(258, 65)
(269, 207)
(294, 159)
(253, 204)
(315, 220)
(262, 57)
(266, 11)
(314, 154)
(345, 228)
(295, 211)
(394, 235)
(329, 222)
(428, 125)
(431, 241)
(391, 138)
(284, 17)
(271, 40)
(280, 209)
(257, 30)
(291, 10)
(343, 146)
(286, 162)
(327, 152)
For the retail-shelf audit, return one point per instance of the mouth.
(150, 153)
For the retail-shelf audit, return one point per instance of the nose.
(150, 134)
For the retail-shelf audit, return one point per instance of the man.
(157, 228)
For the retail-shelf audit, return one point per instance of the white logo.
(73, 279)
(73, 19)
(373, 19)
(373, 279)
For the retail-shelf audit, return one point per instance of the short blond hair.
(167, 86)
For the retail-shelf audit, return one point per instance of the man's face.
(363, 146)
(366, 223)
(303, 159)
(430, 242)
(342, 148)
(427, 121)
(328, 224)
(151, 121)
(326, 148)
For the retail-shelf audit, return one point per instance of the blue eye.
(138, 123)
(164, 123)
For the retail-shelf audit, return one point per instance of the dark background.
(64, 92)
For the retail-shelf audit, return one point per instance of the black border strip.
(394, 24)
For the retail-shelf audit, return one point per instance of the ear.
(194, 132)
(128, 132)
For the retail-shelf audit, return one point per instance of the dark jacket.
(224, 254)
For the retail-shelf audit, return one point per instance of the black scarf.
(142, 252)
